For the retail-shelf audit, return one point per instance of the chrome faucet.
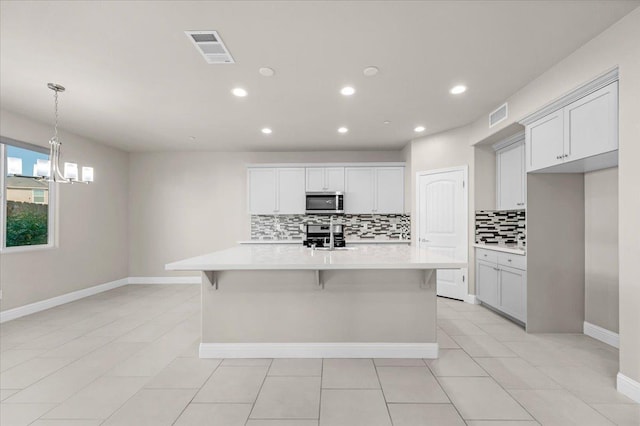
(331, 238)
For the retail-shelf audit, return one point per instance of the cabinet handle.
(565, 156)
(508, 260)
(484, 255)
(558, 157)
(496, 269)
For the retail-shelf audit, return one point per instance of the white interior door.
(443, 221)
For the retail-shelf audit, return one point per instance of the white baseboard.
(602, 334)
(165, 280)
(628, 387)
(472, 299)
(42, 305)
(319, 350)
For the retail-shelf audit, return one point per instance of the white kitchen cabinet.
(487, 282)
(501, 282)
(584, 128)
(371, 190)
(325, 179)
(511, 177)
(389, 183)
(359, 194)
(291, 193)
(545, 141)
(591, 124)
(512, 292)
(276, 190)
(262, 187)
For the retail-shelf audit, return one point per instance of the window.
(26, 210)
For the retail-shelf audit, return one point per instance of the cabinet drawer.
(487, 255)
(512, 260)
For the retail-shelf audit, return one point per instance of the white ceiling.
(134, 80)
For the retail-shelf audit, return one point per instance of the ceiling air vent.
(498, 115)
(210, 46)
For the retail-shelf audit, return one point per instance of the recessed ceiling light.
(239, 92)
(266, 131)
(386, 122)
(193, 138)
(419, 129)
(370, 71)
(347, 90)
(266, 71)
(343, 130)
(456, 90)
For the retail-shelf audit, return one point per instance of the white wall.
(184, 204)
(92, 223)
(601, 248)
(617, 46)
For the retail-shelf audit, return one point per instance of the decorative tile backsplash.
(501, 226)
(361, 226)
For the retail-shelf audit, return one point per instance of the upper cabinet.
(276, 190)
(511, 178)
(584, 128)
(374, 190)
(368, 187)
(323, 179)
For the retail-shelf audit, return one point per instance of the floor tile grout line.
(384, 397)
(197, 390)
(253, 406)
(320, 394)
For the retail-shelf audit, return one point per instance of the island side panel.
(355, 306)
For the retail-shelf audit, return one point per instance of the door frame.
(465, 200)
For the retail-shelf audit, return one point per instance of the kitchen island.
(284, 301)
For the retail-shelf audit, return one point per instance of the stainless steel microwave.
(325, 203)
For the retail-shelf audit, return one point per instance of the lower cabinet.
(501, 282)
(487, 282)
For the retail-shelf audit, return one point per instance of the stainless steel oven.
(325, 203)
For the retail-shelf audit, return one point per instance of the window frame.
(52, 206)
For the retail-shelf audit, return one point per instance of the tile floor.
(129, 357)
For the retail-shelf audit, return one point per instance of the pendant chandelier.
(50, 170)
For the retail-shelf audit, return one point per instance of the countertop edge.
(502, 249)
(360, 241)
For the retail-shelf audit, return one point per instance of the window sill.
(26, 249)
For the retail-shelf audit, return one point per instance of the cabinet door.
(511, 177)
(315, 179)
(291, 193)
(389, 190)
(262, 190)
(487, 282)
(591, 124)
(334, 179)
(545, 141)
(359, 190)
(513, 292)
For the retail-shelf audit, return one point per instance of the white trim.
(628, 387)
(319, 350)
(577, 93)
(472, 299)
(164, 280)
(515, 138)
(602, 334)
(42, 305)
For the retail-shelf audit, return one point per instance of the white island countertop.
(347, 241)
(290, 257)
